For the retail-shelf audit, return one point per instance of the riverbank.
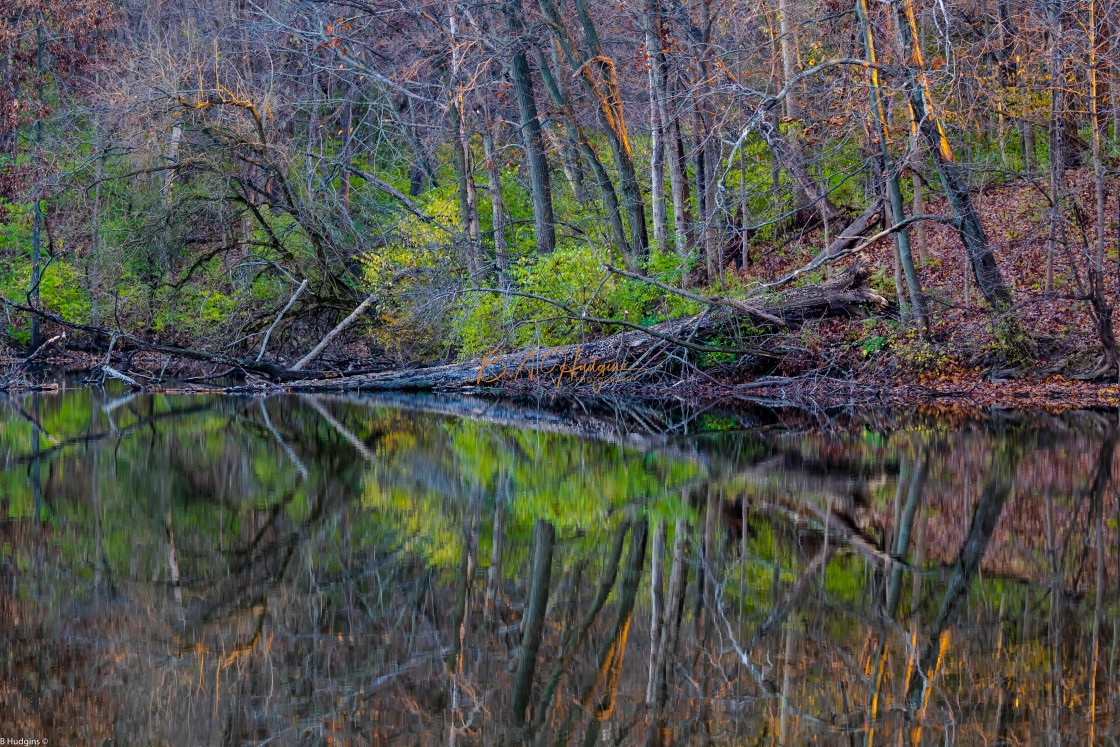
(837, 343)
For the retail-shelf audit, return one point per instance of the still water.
(320, 570)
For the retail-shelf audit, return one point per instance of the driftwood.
(7, 381)
(626, 356)
(338, 330)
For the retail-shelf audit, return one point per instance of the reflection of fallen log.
(633, 354)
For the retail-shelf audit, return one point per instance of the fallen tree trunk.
(629, 356)
(251, 365)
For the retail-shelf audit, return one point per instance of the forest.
(809, 196)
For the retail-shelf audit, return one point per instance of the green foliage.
(1011, 344)
(572, 276)
(918, 355)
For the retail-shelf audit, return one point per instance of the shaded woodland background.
(239, 176)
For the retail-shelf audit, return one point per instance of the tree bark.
(338, 330)
(988, 276)
(904, 257)
(792, 161)
(788, 44)
(600, 83)
(657, 129)
(497, 203)
(602, 178)
(847, 293)
(540, 184)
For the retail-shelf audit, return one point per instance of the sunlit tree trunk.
(903, 254)
(932, 130)
(600, 83)
(602, 178)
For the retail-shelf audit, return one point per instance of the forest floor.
(845, 361)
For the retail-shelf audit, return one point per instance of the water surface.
(299, 570)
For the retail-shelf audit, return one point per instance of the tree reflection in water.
(224, 571)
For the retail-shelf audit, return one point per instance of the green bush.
(573, 277)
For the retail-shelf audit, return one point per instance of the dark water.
(208, 570)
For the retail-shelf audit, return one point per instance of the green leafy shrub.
(573, 278)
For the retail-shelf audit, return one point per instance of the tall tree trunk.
(346, 151)
(609, 95)
(905, 258)
(988, 276)
(602, 178)
(920, 227)
(468, 193)
(792, 161)
(540, 185)
(707, 146)
(656, 123)
(1056, 123)
(37, 225)
(1027, 143)
(497, 203)
(600, 82)
(421, 172)
(1102, 308)
(93, 265)
(678, 182)
(788, 44)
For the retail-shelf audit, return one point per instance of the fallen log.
(263, 368)
(626, 357)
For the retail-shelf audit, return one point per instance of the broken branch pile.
(633, 353)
